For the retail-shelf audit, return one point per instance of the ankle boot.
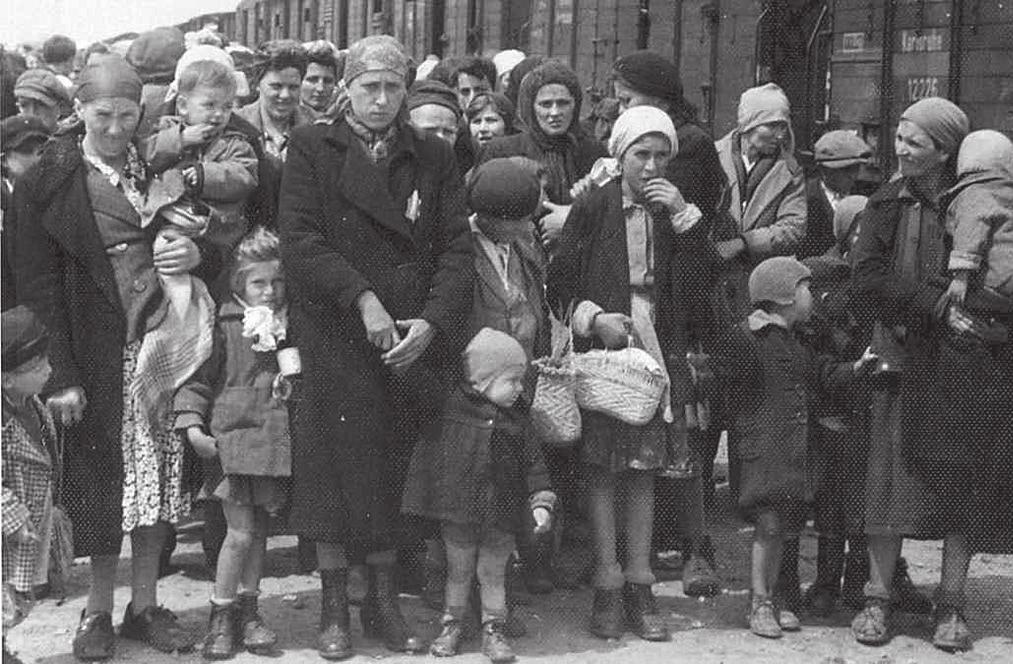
(642, 614)
(381, 616)
(821, 598)
(494, 643)
(221, 639)
(256, 637)
(607, 613)
(334, 640)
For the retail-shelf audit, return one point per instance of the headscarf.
(375, 53)
(651, 74)
(986, 150)
(517, 74)
(762, 105)
(637, 122)
(108, 76)
(941, 119)
(558, 152)
(506, 60)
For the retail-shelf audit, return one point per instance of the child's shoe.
(763, 618)
(159, 628)
(222, 638)
(607, 613)
(448, 643)
(94, 639)
(494, 643)
(255, 635)
(642, 614)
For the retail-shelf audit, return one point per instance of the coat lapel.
(767, 192)
(487, 272)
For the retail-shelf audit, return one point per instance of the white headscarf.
(200, 53)
(637, 122)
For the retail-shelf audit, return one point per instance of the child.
(472, 470)
(979, 217)
(769, 378)
(233, 409)
(28, 433)
(217, 163)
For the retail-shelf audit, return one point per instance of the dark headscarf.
(108, 76)
(558, 152)
(517, 74)
(652, 74)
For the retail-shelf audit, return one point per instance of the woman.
(377, 254)
(85, 261)
(318, 97)
(939, 466)
(278, 78)
(548, 104)
(490, 115)
(623, 264)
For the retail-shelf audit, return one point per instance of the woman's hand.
(380, 328)
(613, 329)
(177, 256)
(662, 192)
(68, 405)
(204, 445)
(413, 346)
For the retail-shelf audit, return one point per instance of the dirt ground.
(705, 631)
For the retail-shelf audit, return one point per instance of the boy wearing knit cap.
(475, 470)
(433, 110)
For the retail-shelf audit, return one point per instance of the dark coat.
(696, 169)
(344, 231)
(819, 225)
(477, 464)
(64, 273)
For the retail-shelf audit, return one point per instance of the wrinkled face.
(630, 98)
(48, 113)
(206, 105)
(766, 139)
(28, 379)
(917, 153)
(279, 91)
(435, 120)
(376, 98)
(264, 285)
(109, 125)
(645, 160)
(487, 125)
(554, 109)
(469, 87)
(318, 86)
(506, 387)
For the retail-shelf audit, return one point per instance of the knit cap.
(762, 105)
(489, 354)
(22, 337)
(426, 92)
(986, 150)
(775, 280)
(154, 54)
(42, 85)
(841, 148)
(375, 53)
(504, 189)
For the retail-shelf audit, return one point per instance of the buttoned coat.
(346, 227)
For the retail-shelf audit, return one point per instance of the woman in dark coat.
(86, 263)
(939, 465)
(377, 254)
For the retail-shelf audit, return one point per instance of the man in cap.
(40, 94)
(433, 110)
(839, 156)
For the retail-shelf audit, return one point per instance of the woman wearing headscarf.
(621, 248)
(377, 254)
(85, 261)
(940, 460)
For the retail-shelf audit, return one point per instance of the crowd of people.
(319, 283)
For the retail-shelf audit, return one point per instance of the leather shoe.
(159, 628)
(94, 639)
(449, 640)
(951, 633)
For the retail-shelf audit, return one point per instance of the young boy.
(770, 378)
(218, 164)
(28, 434)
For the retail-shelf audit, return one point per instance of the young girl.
(28, 431)
(233, 411)
(472, 470)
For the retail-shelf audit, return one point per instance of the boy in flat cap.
(40, 94)
(840, 156)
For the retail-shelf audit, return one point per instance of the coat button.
(140, 286)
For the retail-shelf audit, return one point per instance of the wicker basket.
(625, 384)
(554, 411)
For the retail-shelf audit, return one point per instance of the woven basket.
(554, 411)
(625, 384)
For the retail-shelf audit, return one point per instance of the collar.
(831, 195)
(760, 319)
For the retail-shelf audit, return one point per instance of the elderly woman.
(85, 261)
(490, 115)
(939, 466)
(377, 254)
(625, 264)
(318, 97)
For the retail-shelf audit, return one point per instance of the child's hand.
(25, 534)
(865, 364)
(198, 134)
(543, 520)
(204, 445)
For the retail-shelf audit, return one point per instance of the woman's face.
(917, 154)
(766, 139)
(645, 160)
(109, 125)
(554, 109)
(318, 86)
(376, 97)
(487, 125)
(279, 91)
(630, 98)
